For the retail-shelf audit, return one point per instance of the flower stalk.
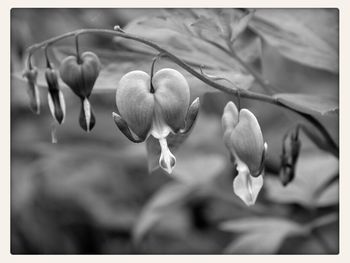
(233, 91)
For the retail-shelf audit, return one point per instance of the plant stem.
(234, 91)
(263, 83)
(48, 64)
(77, 49)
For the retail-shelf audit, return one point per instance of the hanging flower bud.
(55, 96)
(290, 153)
(32, 89)
(155, 107)
(243, 138)
(80, 74)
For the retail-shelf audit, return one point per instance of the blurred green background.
(92, 193)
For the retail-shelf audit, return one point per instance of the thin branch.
(263, 83)
(79, 61)
(234, 91)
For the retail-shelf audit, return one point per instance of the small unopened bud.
(32, 89)
(55, 96)
(290, 153)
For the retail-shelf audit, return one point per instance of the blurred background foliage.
(92, 193)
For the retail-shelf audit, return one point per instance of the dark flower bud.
(290, 153)
(55, 96)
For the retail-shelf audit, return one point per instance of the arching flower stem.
(233, 91)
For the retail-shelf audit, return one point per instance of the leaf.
(289, 31)
(196, 168)
(131, 55)
(262, 235)
(313, 170)
(174, 31)
(164, 201)
(310, 104)
(328, 194)
(319, 140)
(221, 25)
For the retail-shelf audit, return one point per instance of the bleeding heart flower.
(155, 107)
(80, 75)
(32, 89)
(243, 138)
(55, 96)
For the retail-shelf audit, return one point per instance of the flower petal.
(247, 141)
(32, 89)
(191, 116)
(167, 160)
(245, 186)
(172, 96)
(135, 102)
(87, 118)
(123, 127)
(229, 121)
(159, 128)
(57, 105)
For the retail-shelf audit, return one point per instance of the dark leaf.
(309, 104)
(292, 34)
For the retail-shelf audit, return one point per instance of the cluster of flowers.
(80, 74)
(159, 105)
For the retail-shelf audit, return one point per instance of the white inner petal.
(159, 128)
(63, 105)
(51, 105)
(37, 98)
(87, 113)
(245, 186)
(167, 160)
